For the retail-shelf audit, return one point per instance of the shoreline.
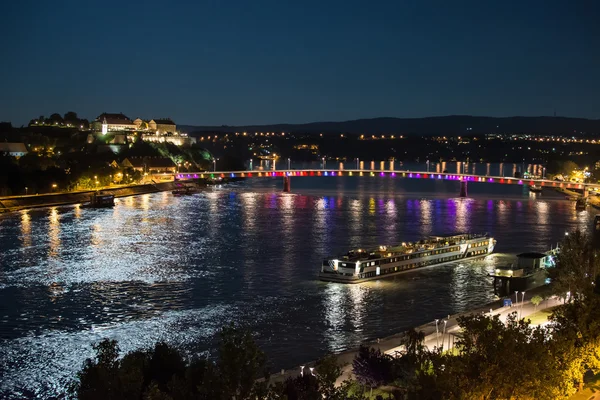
(18, 203)
(390, 343)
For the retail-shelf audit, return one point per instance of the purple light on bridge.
(332, 173)
(393, 174)
(195, 175)
(188, 175)
(381, 174)
(410, 175)
(520, 182)
(418, 175)
(490, 180)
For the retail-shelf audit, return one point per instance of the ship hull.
(329, 277)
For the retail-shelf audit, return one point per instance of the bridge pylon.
(463, 188)
(286, 184)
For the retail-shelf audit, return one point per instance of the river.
(158, 267)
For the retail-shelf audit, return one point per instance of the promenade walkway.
(392, 344)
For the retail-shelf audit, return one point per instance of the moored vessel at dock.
(363, 265)
(184, 190)
(99, 200)
(535, 188)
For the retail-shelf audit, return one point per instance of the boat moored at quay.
(363, 265)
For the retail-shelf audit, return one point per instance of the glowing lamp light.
(393, 174)
(232, 174)
(410, 175)
(195, 175)
(439, 177)
(418, 175)
(520, 182)
(332, 173)
(325, 173)
(381, 173)
(250, 174)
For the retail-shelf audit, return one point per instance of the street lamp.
(289, 163)
(427, 162)
(522, 301)
(444, 332)
(516, 297)
(437, 333)
(302, 370)
(214, 164)
(323, 159)
(26, 188)
(357, 162)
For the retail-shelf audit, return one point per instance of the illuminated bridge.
(463, 179)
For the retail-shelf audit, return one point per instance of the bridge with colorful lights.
(463, 179)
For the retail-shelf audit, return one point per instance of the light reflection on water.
(162, 268)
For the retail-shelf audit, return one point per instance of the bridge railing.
(381, 173)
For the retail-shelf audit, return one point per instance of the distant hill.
(449, 125)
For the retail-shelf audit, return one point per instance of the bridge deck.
(381, 172)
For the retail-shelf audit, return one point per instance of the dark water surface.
(177, 269)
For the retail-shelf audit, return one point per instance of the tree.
(411, 361)
(99, 377)
(372, 367)
(536, 300)
(304, 387)
(71, 117)
(55, 119)
(576, 267)
(241, 363)
(328, 370)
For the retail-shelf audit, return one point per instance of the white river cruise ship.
(364, 265)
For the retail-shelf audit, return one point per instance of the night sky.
(253, 62)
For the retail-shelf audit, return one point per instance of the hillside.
(448, 125)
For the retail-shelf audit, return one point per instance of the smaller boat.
(535, 188)
(581, 204)
(99, 200)
(184, 190)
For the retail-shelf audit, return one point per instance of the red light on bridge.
(312, 173)
(501, 180)
(249, 175)
(222, 175)
(425, 176)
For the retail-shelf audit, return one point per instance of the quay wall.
(16, 203)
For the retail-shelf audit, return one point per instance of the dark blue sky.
(245, 62)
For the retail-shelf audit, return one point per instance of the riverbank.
(393, 343)
(16, 203)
